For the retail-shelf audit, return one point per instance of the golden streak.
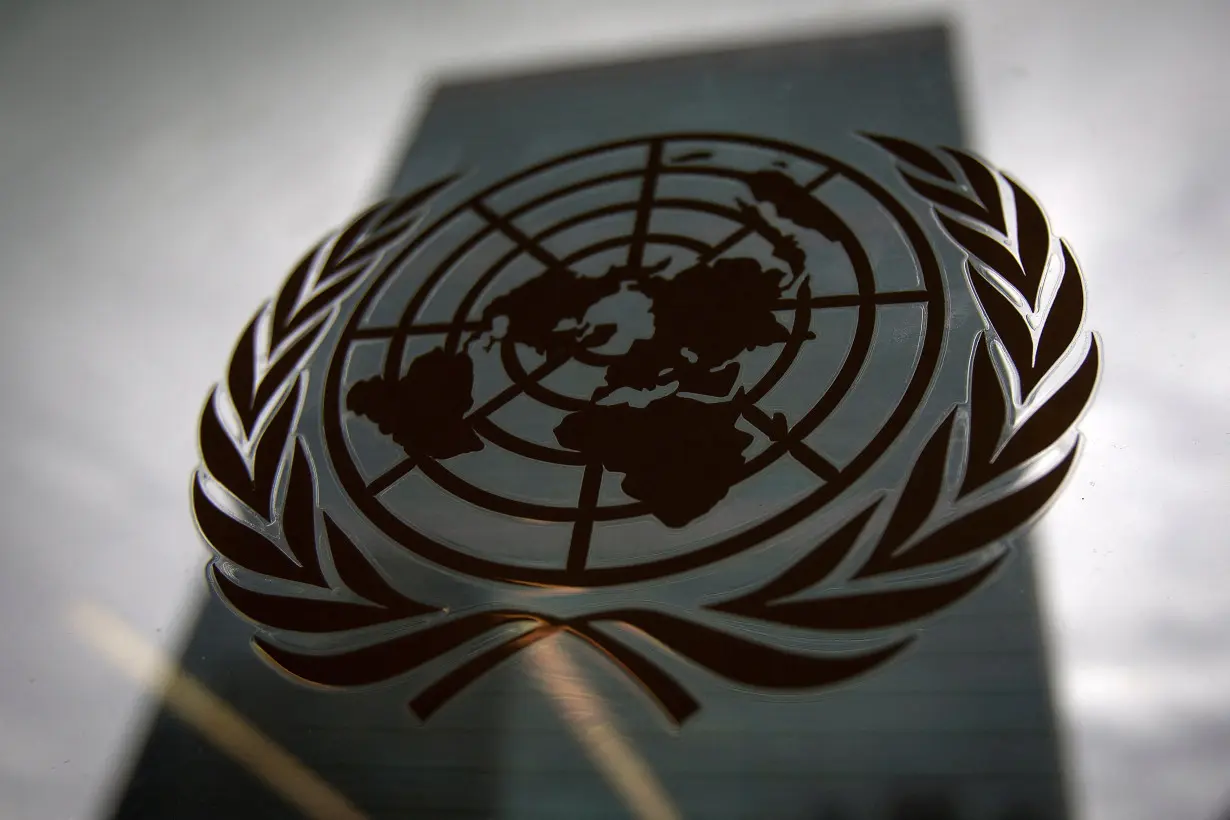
(627, 773)
(229, 731)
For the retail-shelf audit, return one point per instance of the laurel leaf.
(748, 662)
(429, 701)
(814, 567)
(346, 242)
(874, 610)
(917, 500)
(349, 250)
(399, 217)
(269, 450)
(288, 296)
(984, 526)
(298, 614)
(410, 202)
(1007, 322)
(361, 578)
(372, 664)
(238, 542)
(990, 253)
(1033, 237)
(988, 415)
(1054, 418)
(982, 180)
(1063, 322)
(241, 374)
(299, 517)
(915, 155)
(946, 198)
(221, 457)
(279, 373)
(369, 249)
(322, 300)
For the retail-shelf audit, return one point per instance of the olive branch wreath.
(1022, 404)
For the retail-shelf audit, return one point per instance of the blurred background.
(162, 163)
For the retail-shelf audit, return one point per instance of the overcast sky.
(129, 262)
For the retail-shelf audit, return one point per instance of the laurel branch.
(262, 397)
(1010, 263)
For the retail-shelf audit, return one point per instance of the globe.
(633, 360)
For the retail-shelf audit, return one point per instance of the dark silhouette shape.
(678, 455)
(423, 411)
(693, 156)
(536, 308)
(794, 202)
(703, 318)
(785, 246)
(719, 311)
(767, 187)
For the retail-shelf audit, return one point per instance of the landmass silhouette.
(679, 455)
(423, 411)
(704, 317)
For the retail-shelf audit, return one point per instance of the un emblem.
(628, 365)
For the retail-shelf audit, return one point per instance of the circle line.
(931, 297)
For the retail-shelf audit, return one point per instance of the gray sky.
(162, 163)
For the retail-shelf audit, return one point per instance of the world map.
(679, 453)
